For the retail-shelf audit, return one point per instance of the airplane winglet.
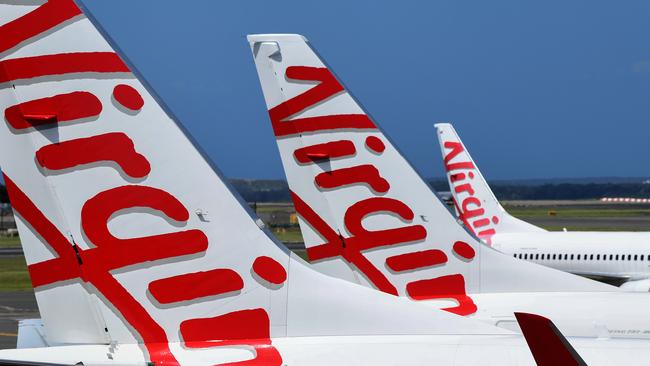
(547, 344)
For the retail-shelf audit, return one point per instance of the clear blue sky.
(536, 89)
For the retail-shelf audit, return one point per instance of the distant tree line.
(278, 191)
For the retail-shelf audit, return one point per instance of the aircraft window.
(526, 256)
(542, 257)
(597, 257)
(629, 257)
(636, 257)
(611, 257)
(553, 256)
(578, 256)
(572, 257)
(591, 257)
(641, 257)
(536, 256)
(566, 256)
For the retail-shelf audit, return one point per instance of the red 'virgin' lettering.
(361, 174)
(57, 109)
(60, 64)
(445, 287)
(245, 327)
(115, 146)
(327, 87)
(462, 185)
(39, 20)
(328, 150)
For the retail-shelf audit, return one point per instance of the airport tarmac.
(14, 306)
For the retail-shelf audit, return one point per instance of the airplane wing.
(547, 344)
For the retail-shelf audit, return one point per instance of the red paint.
(240, 328)
(350, 248)
(59, 269)
(486, 235)
(60, 64)
(360, 174)
(464, 188)
(464, 250)
(445, 287)
(456, 177)
(367, 239)
(416, 260)
(465, 212)
(41, 19)
(456, 149)
(116, 147)
(546, 342)
(195, 285)
(238, 325)
(328, 150)
(270, 270)
(128, 97)
(375, 144)
(112, 253)
(481, 222)
(468, 213)
(57, 109)
(327, 87)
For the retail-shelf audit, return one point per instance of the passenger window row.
(591, 257)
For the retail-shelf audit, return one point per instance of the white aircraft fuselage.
(623, 256)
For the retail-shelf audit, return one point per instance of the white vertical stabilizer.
(365, 214)
(475, 203)
(131, 236)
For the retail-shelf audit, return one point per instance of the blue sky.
(535, 89)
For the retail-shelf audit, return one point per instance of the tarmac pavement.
(15, 306)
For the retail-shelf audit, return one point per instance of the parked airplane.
(367, 217)
(135, 264)
(616, 257)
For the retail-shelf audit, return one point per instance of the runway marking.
(8, 335)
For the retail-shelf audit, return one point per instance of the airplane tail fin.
(120, 247)
(475, 203)
(547, 344)
(365, 214)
